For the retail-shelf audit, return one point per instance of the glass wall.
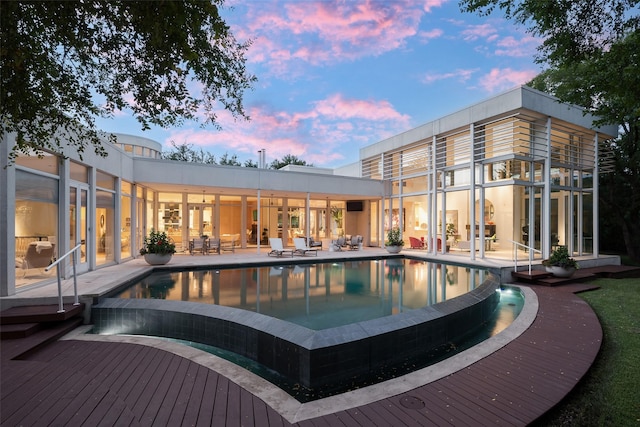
(36, 223)
(230, 219)
(170, 217)
(125, 219)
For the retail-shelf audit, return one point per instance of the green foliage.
(394, 238)
(157, 243)
(186, 153)
(560, 258)
(608, 395)
(65, 63)
(229, 160)
(289, 159)
(592, 50)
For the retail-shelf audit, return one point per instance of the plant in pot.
(394, 242)
(560, 263)
(157, 248)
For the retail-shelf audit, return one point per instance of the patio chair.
(355, 242)
(338, 244)
(228, 245)
(198, 245)
(302, 248)
(416, 243)
(276, 247)
(314, 243)
(39, 255)
(214, 246)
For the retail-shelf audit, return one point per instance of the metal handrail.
(56, 264)
(515, 254)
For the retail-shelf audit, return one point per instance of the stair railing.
(515, 254)
(56, 264)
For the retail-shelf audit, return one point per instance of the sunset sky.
(334, 76)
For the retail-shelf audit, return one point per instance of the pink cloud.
(315, 135)
(460, 74)
(523, 47)
(430, 4)
(501, 79)
(329, 31)
(474, 32)
(425, 36)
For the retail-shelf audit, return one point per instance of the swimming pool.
(313, 358)
(319, 295)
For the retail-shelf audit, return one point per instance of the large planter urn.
(393, 249)
(157, 259)
(557, 271)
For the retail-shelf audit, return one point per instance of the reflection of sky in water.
(317, 296)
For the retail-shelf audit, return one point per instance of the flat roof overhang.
(185, 177)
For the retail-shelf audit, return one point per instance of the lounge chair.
(38, 255)
(416, 243)
(314, 243)
(276, 247)
(355, 242)
(228, 245)
(302, 248)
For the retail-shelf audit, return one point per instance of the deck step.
(18, 330)
(21, 347)
(534, 276)
(39, 314)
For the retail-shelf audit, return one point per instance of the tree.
(592, 50)
(66, 63)
(289, 159)
(229, 161)
(250, 164)
(186, 153)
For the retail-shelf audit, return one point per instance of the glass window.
(36, 187)
(78, 172)
(48, 163)
(104, 180)
(105, 234)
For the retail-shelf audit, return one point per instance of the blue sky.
(334, 76)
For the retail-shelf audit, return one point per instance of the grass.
(609, 395)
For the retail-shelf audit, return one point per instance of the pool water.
(320, 295)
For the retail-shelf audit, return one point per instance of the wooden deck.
(73, 382)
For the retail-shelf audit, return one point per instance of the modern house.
(519, 170)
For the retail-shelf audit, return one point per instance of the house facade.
(514, 175)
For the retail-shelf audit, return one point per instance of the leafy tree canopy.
(289, 159)
(65, 63)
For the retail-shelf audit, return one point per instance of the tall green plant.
(394, 238)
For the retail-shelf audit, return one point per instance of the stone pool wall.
(312, 358)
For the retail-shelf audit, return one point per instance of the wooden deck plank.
(160, 403)
(93, 383)
(207, 403)
(475, 402)
(493, 405)
(220, 403)
(184, 395)
(145, 394)
(192, 408)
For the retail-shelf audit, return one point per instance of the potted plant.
(157, 249)
(394, 242)
(560, 263)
